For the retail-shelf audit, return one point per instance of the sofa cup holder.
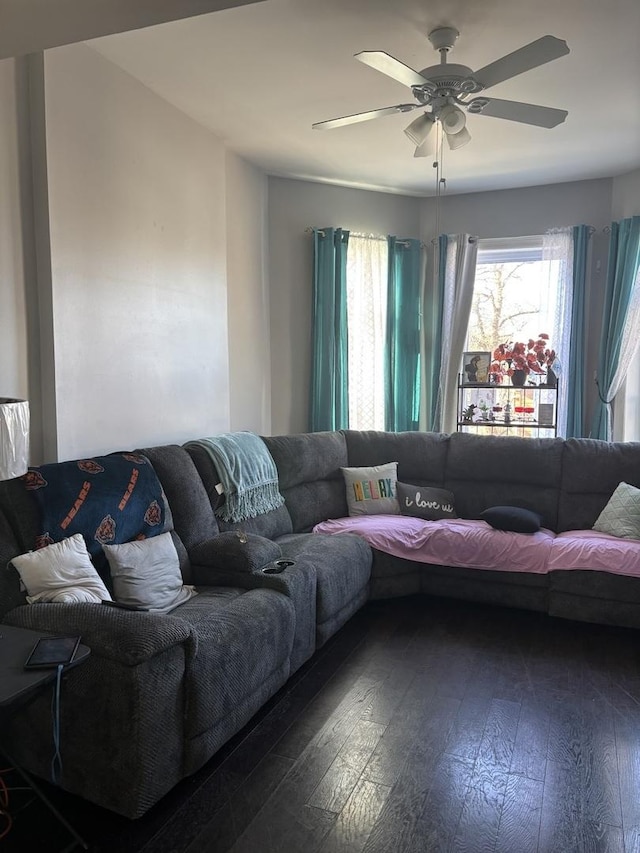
(277, 567)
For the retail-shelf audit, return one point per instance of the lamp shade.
(14, 438)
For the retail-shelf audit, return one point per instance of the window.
(514, 295)
(366, 312)
(523, 289)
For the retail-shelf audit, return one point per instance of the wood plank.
(601, 838)
(521, 812)
(477, 831)
(338, 783)
(562, 812)
(532, 738)
(498, 740)
(438, 822)
(627, 731)
(356, 820)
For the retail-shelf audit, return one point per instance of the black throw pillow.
(513, 518)
(425, 502)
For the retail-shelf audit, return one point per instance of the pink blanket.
(475, 545)
(588, 549)
(451, 542)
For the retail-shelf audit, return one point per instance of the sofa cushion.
(270, 524)
(372, 490)
(342, 563)
(621, 515)
(309, 474)
(243, 636)
(489, 470)
(61, 572)
(591, 471)
(513, 518)
(421, 456)
(193, 518)
(425, 502)
(146, 573)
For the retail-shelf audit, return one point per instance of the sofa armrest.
(125, 636)
(233, 551)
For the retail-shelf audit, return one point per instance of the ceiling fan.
(446, 91)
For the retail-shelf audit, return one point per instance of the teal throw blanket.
(247, 472)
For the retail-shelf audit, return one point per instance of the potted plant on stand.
(517, 360)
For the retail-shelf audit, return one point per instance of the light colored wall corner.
(138, 260)
(294, 205)
(626, 195)
(13, 312)
(248, 297)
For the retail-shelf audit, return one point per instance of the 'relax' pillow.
(621, 516)
(372, 491)
(61, 572)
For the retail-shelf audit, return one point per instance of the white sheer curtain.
(459, 277)
(557, 303)
(628, 356)
(366, 311)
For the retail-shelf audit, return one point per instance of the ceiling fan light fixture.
(419, 129)
(457, 140)
(453, 119)
(425, 149)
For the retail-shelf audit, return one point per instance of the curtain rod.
(405, 243)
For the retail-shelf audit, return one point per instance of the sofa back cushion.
(486, 471)
(268, 524)
(421, 456)
(591, 472)
(193, 518)
(311, 481)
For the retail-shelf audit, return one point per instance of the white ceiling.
(259, 75)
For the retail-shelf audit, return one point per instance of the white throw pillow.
(372, 490)
(146, 573)
(61, 572)
(621, 516)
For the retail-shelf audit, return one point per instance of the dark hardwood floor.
(424, 725)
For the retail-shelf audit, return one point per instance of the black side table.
(16, 684)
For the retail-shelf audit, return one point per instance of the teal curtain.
(434, 307)
(329, 368)
(402, 343)
(575, 375)
(622, 269)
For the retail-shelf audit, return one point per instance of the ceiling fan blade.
(391, 66)
(517, 111)
(532, 55)
(357, 117)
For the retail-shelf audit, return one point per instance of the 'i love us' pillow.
(424, 502)
(372, 490)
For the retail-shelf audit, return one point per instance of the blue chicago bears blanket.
(108, 499)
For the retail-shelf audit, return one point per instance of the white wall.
(13, 316)
(626, 196)
(293, 206)
(247, 297)
(514, 213)
(138, 249)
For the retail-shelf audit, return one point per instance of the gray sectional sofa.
(161, 693)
